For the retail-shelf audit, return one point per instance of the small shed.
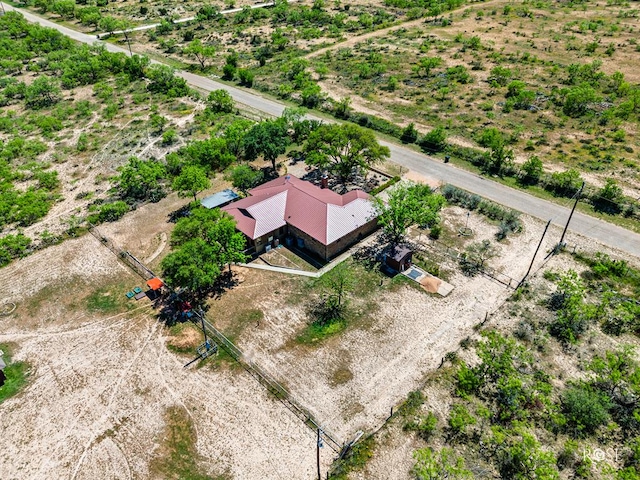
(399, 258)
(220, 199)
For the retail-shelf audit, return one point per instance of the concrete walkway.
(292, 271)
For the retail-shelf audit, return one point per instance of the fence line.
(446, 250)
(273, 386)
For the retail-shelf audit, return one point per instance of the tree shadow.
(176, 215)
(179, 306)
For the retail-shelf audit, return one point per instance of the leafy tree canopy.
(269, 138)
(140, 180)
(191, 181)
(408, 204)
(344, 149)
(204, 243)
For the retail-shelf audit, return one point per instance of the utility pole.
(560, 243)
(534, 256)
(318, 447)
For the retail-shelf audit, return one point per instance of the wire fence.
(272, 385)
(128, 258)
(446, 251)
(261, 375)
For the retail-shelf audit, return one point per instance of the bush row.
(509, 219)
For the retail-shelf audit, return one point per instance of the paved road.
(604, 232)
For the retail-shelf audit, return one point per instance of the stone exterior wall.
(310, 243)
(261, 242)
(327, 252)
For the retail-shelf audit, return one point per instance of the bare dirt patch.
(101, 384)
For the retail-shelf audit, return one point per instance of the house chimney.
(324, 181)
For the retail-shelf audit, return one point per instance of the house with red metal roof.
(298, 212)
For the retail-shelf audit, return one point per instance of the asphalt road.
(604, 232)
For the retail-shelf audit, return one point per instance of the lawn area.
(17, 374)
(178, 458)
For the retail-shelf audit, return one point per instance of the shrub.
(385, 185)
(468, 381)
(246, 77)
(609, 198)
(13, 246)
(435, 140)
(564, 183)
(531, 171)
(460, 419)
(423, 425)
(110, 212)
(584, 409)
(409, 134)
(573, 315)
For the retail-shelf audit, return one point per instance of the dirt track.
(100, 384)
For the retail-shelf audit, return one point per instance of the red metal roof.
(320, 213)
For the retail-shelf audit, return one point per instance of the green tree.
(140, 180)
(435, 140)
(565, 183)
(499, 76)
(408, 204)
(202, 53)
(409, 134)
(164, 80)
(64, 8)
(426, 64)
(578, 100)
(246, 77)
(89, 16)
(211, 154)
(220, 101)
(344, 149)
(445, 464)
(43, 92)
(234, 133)
(532, 171)
(339, 281)
(191, 266)
(244, 178)
(498, 159)
(573, 314)
(108, 24)
(269, 138)
(204, 243)
(191, 181)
